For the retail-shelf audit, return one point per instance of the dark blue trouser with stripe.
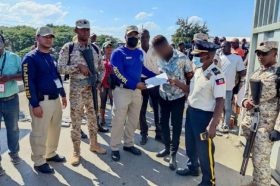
(197, 149)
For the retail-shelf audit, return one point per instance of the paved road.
(130, 171)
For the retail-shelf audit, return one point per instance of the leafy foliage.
(102, 38)
(186, 31)
(20, 39)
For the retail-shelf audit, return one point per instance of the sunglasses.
(260, 53)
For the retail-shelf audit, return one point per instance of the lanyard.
(51, 70)
(3, 64)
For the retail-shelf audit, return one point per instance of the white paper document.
(157, 80)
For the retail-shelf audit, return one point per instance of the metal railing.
(266, 12)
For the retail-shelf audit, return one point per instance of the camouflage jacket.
(269, 108)
(76, 58)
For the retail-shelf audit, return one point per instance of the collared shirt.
(40, 76)
(12, 67)
(128, 66)
(151, 59)
(230, 64)
(76, 58)
(205, 87)
(175, 68)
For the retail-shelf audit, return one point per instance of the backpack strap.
(95, 48)
(71, 47)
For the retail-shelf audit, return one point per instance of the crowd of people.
(205, 76)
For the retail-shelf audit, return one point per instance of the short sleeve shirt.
(12, 66)
(175, 68)
(150, 60)
(230, 64)
(205, 87)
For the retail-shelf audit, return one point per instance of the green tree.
(19, 37)
(22, 52)
(102, 38)
(186, 31)
(63, 34)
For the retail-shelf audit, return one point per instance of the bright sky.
(223, 17)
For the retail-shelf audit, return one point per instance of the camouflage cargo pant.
(261, 157)
(80, 98)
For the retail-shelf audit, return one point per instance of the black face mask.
(132, 42)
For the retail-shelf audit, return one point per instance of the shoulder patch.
(216, 71)
(220, 81)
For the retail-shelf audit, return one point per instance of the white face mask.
(197, 62)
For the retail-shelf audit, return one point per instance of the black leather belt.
(122, 86)
(51, 97)
(8, 98)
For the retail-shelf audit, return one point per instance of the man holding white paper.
(172, 95)
(157, 80)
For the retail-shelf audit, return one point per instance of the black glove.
(274, 135)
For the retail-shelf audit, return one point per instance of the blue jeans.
(9, 110)
(228, 107)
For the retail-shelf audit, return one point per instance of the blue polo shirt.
(39, 75)
(12, 66)
(128, 65)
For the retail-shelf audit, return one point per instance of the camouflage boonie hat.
(200, 36)
(266, 46)
(82, 23)
(202, 46)
(44, 31)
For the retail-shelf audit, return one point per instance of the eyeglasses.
(260, 53)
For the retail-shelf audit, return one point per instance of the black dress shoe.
(158, 138)
(206, 184)
(172, 162)
(102, 129)
(132, 150)
(163, 153)
(57, 158)
(83, 135)
(115, 155)
(187, 172)
(144, 140)
(45, 169)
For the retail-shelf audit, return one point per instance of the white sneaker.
(224, 129)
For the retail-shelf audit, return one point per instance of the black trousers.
(175, 110)
(197, 149)
(152, 93)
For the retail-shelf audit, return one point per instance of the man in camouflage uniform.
(267, 54)
(80, 89)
